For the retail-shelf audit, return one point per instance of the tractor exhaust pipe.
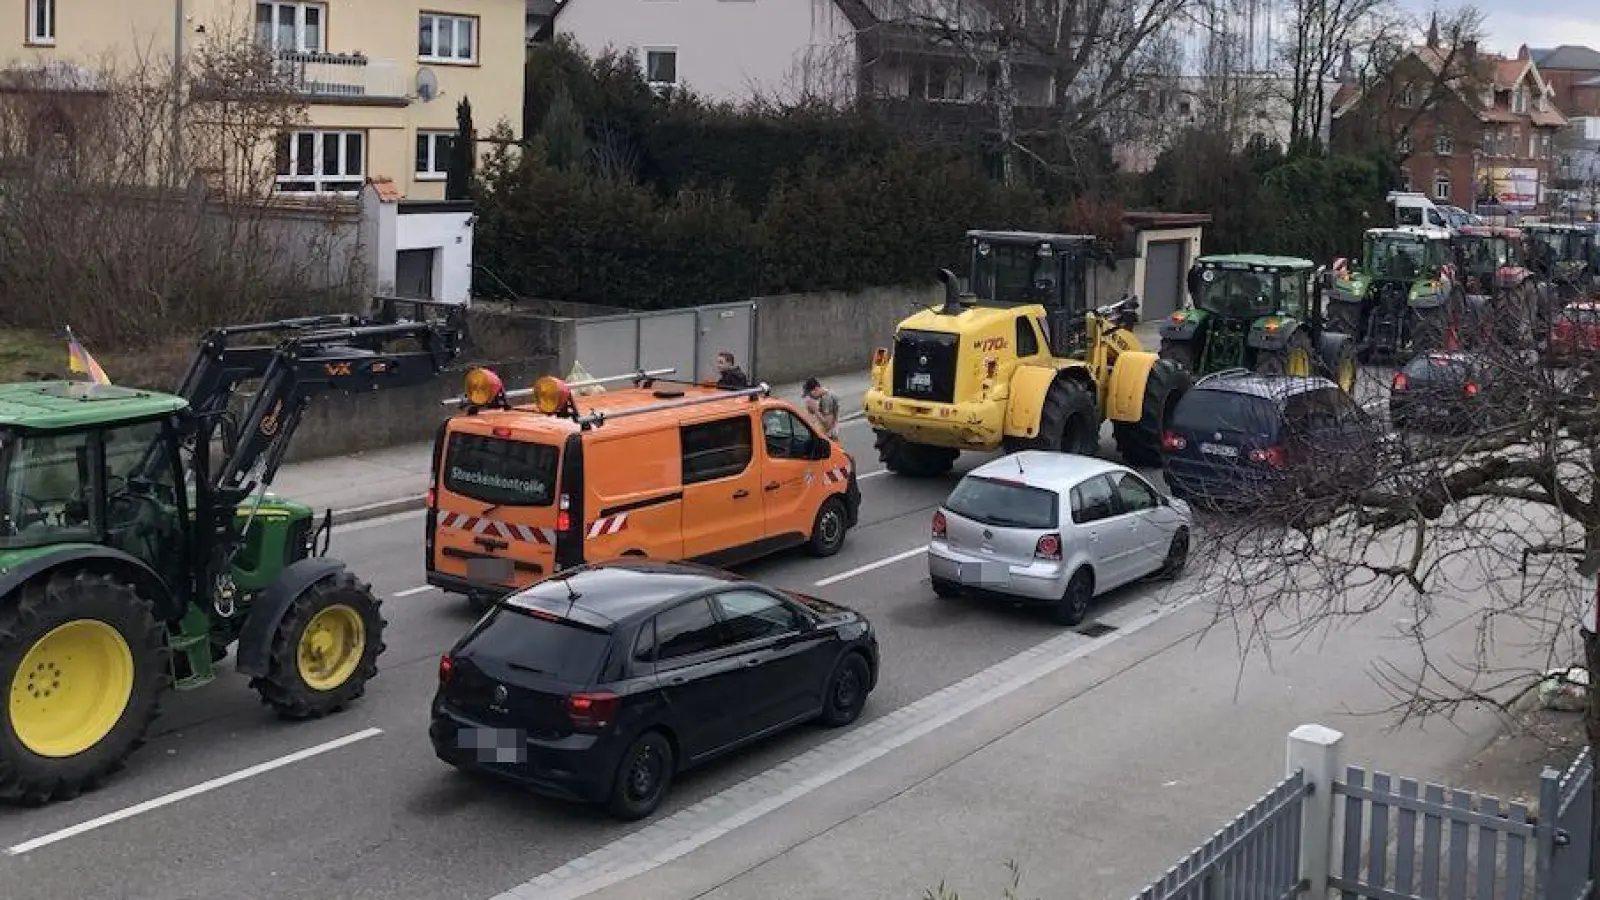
(952, 293)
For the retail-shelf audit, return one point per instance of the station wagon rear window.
(1225, 411)
(503, 472)
(1006, 504)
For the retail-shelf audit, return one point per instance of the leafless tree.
(137, 204)
(1318, 34)
(1092, 57)
(1472, 507)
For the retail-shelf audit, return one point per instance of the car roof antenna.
(1020, 470)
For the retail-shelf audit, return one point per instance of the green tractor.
(1262, 313)
(1397, 301)
(133, 554)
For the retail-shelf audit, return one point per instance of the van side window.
(719, 449)
(1027, 341)
(787, 437)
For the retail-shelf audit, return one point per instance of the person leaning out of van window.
(729, 375)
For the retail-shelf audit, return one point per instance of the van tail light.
(1401, 382)
(447, 665)
(564, 518)
(431, 499)
(1049, 547)
(1270, 456)
(938, 524)
(1171, 440)
(592, 710)
(1471, 389)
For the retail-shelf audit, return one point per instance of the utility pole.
(177, 91)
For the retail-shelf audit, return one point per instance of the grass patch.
(28, 355)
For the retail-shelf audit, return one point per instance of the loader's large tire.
(902, 457)
(85, 663)
(1068, 422)
(1140, 442)
(325, 649)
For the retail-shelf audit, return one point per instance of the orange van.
(669, 471)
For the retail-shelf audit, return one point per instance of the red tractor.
(1499, 290)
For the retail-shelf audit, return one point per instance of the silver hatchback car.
(1056, 529)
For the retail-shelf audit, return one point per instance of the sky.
(1538, 23)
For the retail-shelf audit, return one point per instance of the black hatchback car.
(602, 682)
(1454, 393)
(1242, 438)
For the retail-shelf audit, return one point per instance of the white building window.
(1443, 144)
(322, 162)
(1441, 186)
(661, 67)
(292, 27)
(42, 21)
(433, 154)
(1403, 145)
(1408, 96)
(1519, 101)
(447, 39)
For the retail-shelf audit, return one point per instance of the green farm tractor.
(134, 554)
(1262, 313)
(1397, 299)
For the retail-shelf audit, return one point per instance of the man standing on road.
(823, 406)
(729, 375)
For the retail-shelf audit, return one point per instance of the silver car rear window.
(1006, 504)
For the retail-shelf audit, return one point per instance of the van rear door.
(495, 508)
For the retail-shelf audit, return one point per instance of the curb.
(377, 510)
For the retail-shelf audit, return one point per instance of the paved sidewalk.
(382, 482)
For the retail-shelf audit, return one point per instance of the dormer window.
(1408, 96)
(1519, 100)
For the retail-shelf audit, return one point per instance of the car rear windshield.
(1004, 503)
(1580, 315)
(503, 472)
(1206, 410)
(1436, 368)
(559, 649)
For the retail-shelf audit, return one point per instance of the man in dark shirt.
(729, 375)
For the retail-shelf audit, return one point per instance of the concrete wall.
(799, 335)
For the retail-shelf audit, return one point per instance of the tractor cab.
(1561, 252)
(1490, 258)
(1056, 271)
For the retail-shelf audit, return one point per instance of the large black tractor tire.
(1345, 318)
(902, 457)
(1297, 358)
(1336, 361)
(325, 650)
(1140, 442)
(1069, 421)
(1184, 354)
(85, 663)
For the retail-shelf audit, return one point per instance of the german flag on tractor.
(82, 363)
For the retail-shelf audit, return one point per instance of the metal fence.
(687, 340)
(1371, 836)
(1255, 857)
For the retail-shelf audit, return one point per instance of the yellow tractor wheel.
(1296, 359)
(325, 649)
(84, 662)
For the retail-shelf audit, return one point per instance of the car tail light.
(447, 665)
(1471, 389)
(1401, 382)
(1171, 440)
(1271, 456)
(502, 432)
(1049, 547)
(594, 710)
(938, 524)
(430, 499)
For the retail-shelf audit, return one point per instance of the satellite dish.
(427, 85)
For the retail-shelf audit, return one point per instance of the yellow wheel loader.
(1019, 361)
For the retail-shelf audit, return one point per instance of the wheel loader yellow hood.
(971, 319)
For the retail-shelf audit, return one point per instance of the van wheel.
(827, 532)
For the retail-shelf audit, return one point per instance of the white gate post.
(1317, 751)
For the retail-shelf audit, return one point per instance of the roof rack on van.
(1221, 373)
(641, 378)
(600, 416)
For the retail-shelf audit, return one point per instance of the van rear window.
(503, 472)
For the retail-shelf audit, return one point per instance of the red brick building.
(1463, 125)
(1573, 73)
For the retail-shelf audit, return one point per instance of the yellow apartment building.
(381, 77)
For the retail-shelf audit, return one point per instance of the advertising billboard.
(1515, 188)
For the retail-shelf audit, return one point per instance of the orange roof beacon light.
(483, 387)
(551, 395)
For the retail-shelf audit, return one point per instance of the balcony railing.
(333, 77)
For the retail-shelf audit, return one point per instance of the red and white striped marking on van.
(507, 530)
(608, 525)
(836, 475)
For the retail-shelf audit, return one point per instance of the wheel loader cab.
(1055, 271)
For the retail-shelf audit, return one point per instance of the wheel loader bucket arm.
(344, 353)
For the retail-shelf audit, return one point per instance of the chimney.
(1522, 53)
(1469, 50)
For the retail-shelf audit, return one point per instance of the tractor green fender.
(16, 568)
(1184, 325)
(266, 611)
(1272, 332)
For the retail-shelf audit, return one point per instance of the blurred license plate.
(983, 573)
(1219, 450)
(494, 745)
(920, 381)
(496, 570)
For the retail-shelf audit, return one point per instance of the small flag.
(79, 361)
